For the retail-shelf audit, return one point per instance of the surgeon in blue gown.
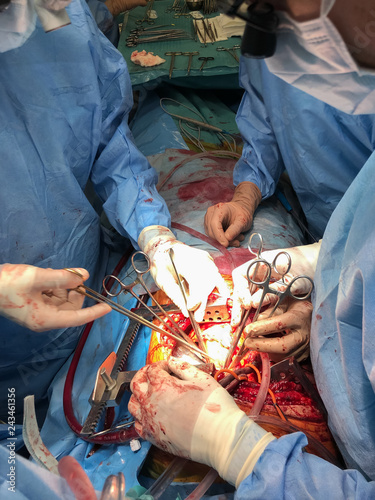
(106, 12)
(284, 128)
(65, 99)
(342, 332)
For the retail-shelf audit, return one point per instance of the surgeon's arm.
(104, 13)
(186, 412)
(126, 183)
(259, 168)
(285, 470)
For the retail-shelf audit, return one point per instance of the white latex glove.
(226, 221)
(195, 267)
(293, 317)
(192, 416)
(304, 260)
(41, 299)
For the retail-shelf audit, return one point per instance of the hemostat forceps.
(174, 331)
(256, 250)
(288, 289)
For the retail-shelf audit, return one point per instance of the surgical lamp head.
(259, 37)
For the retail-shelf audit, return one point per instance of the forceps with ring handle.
(230, 51)
(256, 250)
(265, 284)
(173, 329)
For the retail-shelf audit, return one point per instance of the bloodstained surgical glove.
(43, 299)
(115, 7)
(292, 317)
(184, 411)
(226, 221)
(304, 260)
(195, 267)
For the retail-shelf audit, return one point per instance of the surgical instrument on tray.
(191, 55)
(207, 28)
(161, 35)
(198, 31)
(146, 18)
(194, 323)
(171, 66)
(88, 292)
(204, 59)
(230, 51)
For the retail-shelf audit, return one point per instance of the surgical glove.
(184, 411)
(304, 259)
(195, 267)
(226, 221)
(293, 317)
(71, 470)
(42, 299)
(115, 7)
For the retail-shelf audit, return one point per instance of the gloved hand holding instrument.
(43, 299)
(195, 267)
(296, 318)
(182, 410)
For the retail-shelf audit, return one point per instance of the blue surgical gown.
(65, 99)
(321, 148)
(343, 358)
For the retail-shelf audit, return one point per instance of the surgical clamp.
(88, 292)
(230, 51)
(267, 289)
(191, 55)
(256, 250)
(204, 59)
(173, 55)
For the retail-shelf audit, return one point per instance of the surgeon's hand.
(43, 299)
(115, 7)
(184, 411)
(304, 260)
(226, 221)
(195, 267)
(71, 470)
(292, 317)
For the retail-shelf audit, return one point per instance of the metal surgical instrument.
(265, 284)
(194, 324)
(230, 51)
(191, 55)
(173, 55)
(204, 59)
(256, 250)
(88, 292)
(123, 288)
